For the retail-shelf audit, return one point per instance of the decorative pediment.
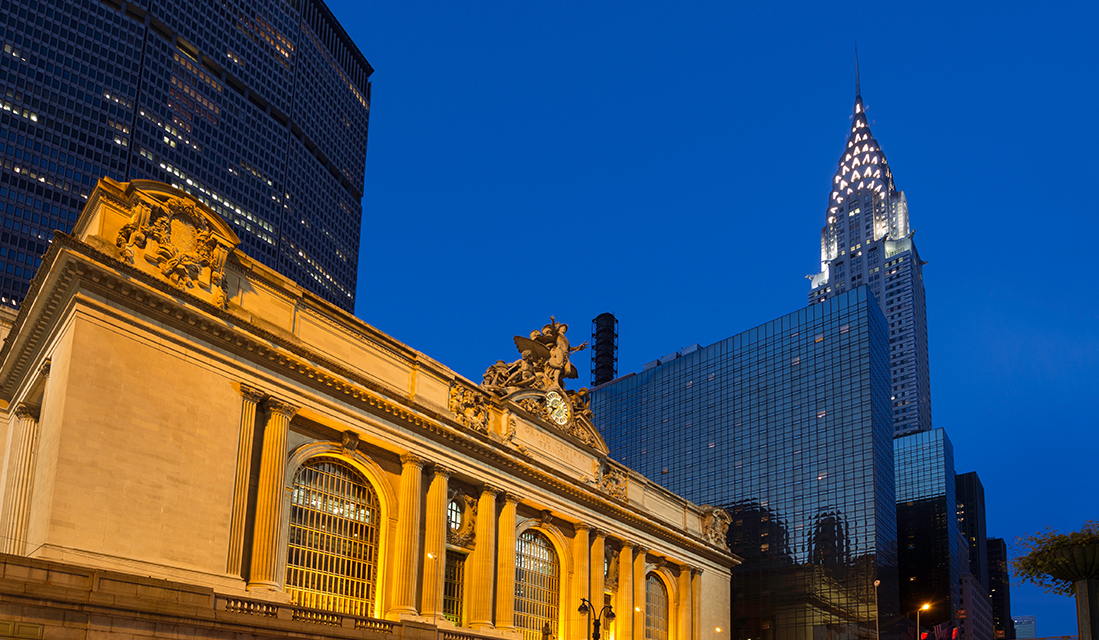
(164, 232)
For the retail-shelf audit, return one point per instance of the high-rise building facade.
(999, 589)
(927, 527)
(787, 427)
(867, 240)
(971, 522)
(1025, 627)
(258, 109)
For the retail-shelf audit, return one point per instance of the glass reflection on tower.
(787, 426)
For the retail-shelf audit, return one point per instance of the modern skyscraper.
(258, 109)
(927, 527)
(999, 589)
(971, 522)
(787, 427)
(1025, 627)
(867, 240)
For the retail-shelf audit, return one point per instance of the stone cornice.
(87, 267)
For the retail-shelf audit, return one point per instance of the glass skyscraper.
(927, 525)
(999, 589)
(787, 426)
(867, 240)
(259, 109)
(971, 522)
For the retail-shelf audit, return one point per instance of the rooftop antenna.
(858, 92)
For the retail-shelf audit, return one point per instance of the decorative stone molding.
(440, 470)
(611, 577)
(466, 535)
(349, 442)
(26, 412)
(715, 526)
(469, 407)
(280, 407)
(45, 368)
(613, 481)
(545, 518)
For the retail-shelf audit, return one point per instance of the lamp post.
(923, 608)
(877, 614)
(435, 605)
(606, 614)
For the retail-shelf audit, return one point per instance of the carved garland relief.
(469, 407)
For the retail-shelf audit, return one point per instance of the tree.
(1066, 564)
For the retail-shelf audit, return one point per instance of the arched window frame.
(387, 500)
(665, 575)
(562, 548)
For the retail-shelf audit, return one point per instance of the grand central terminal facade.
(195, 447)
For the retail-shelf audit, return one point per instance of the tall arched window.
(656, 609)
(537, 585)
(332, 562)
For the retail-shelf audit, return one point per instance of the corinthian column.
(267, 542)
(624, 619)
(581, 576)
(686, 604)
(408, 535)
(20, 480)
(481, 561)
(435, 543)
(598, 572)
(639, 592)
(505, 564)
(252, 398)
(696, 596)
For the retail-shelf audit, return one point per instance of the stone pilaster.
(596, 559)
(435, 543)
(251, 399)
(639, 591)
(20, 480)
(505, 564)
(696, 596)
(481, 561)
(582, 577)
(268, 547)
(405, 558)
(624, 599)
(685, 619)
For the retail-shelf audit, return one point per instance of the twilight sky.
(671, 164)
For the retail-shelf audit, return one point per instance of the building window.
(454, 516)
(332, 560)
(453, 581)
(537, 585)
(656, 609)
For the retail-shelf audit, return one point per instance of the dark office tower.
(866, 240)
(999, 588)
(787, 427)
(259, 109)
(971, 522)
(927, 526)
(604, 349)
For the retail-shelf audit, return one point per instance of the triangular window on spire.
(855, 163)
(874, 160)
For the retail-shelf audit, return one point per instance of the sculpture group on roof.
(543, 364)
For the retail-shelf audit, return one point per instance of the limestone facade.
(192, 442)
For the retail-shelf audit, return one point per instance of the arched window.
(656, 609)
(332, 562)
(454, 516)
(537, 585)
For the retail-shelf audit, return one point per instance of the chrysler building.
(867, 240)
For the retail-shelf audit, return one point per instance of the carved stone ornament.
(543, 363)
(349, 442)
(176, 238)
(465, 535)
(610, 578)
(469, 407)
(613, 481)
(715, 525)
(280, 407)
(509, 436)
(545, 517)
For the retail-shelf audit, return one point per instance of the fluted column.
(505, 564)
(596, 584)
(639, 600)
(20, 479)
(267, 542)
(435, 543)
(582, 577)
(696, 596)
(251, 399)
(686, 604)
(482, 560)
(624, 599)
(408, 534)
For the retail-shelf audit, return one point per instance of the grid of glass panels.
(258, 109)
(453, 584)
(537, 585)
(656, 609)
(787, 426)
(333, 556)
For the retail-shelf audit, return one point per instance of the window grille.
(333, 556)
(453, 581)
(656, 609)
(537, 585)
(454, 515)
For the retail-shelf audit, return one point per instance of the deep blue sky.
(671, 164)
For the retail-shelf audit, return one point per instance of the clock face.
(557, 407)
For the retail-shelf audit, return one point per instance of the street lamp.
(877, 614)
(923, 608)
(605, 615)
(435, 605)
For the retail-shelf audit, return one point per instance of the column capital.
(411, 459)
(280, 408)
(626, 544)
(490, 489)
(252, 393)
(511, 497)
(440, 471)
(596, 532)
(697, 571)
(640, 552)
(26, 412)
(582, 526)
